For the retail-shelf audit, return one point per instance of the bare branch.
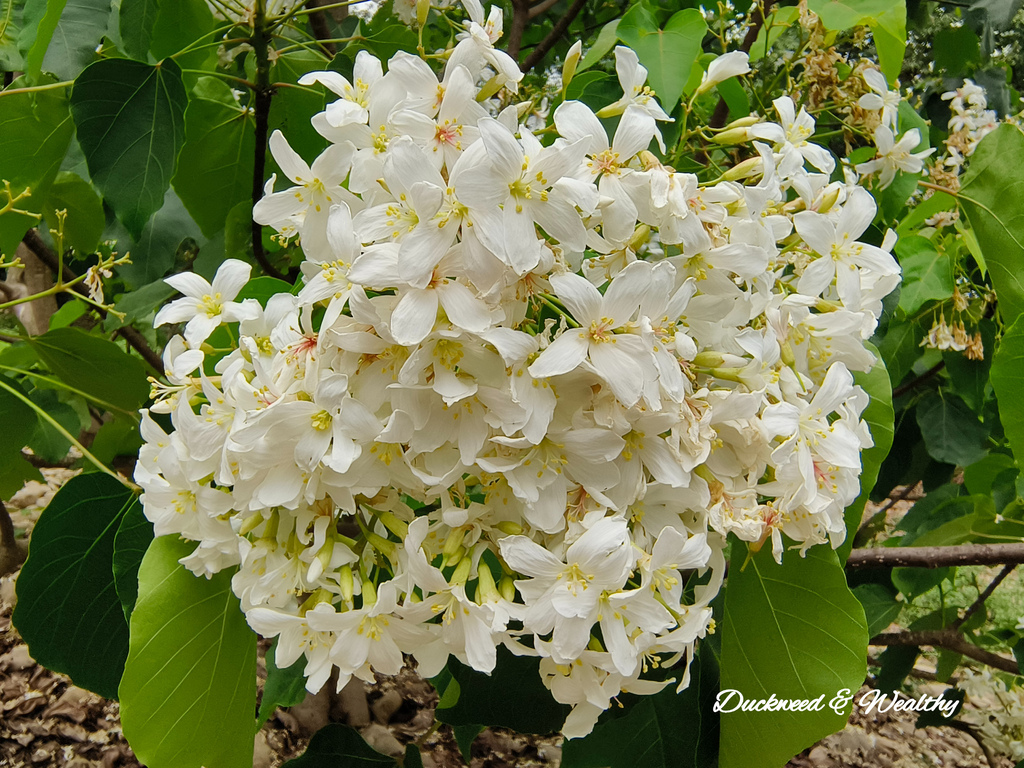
(951, 640)
(520, 17)
(973, 608)
(936, 557)
(556, 34)
(538, 8)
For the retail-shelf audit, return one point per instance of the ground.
(47, 721)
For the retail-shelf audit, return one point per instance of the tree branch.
(936, 557)
(556, 34)
(973, 608)
(538, 8)
(262, 96)
(951, 640)
(318, 23)
(129, 334)
(904, 388)
(520, 17)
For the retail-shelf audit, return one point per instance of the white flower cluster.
(997, 711)
(491, 416)
(970, 121)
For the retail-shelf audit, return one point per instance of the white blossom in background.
(527, 388)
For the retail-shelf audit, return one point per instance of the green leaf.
(79, 30)
(189, 685)
(605, 41)
(337, 745)
(138, 305)
(900, 347)
(283, 688)
(913, 582)
(35, 129)
(890, 33)
(95, 366)
(216, 164)
(135, 23)
(68, 611)
(592, 88)
(292, 109)
(130, 119)
(956, 50)
(512, 696)
(880, 419)
(169, 237)
(11, 59)
(262, 289)
(939, 201)
(131, 541)
(669, 53)
(178, 24)
(19, 423)
(989, 196)
(39, 21)
(1007, 375)
(86, 220)
(880, 606)
(979, 477)
(927, 273)
(793, 630)
(951, 430)
(666, 730)
(887, 19)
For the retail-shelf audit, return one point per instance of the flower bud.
(752, 166)
(487, 590)
(732, 136)
(369, 593)
(569, 67)
(422, 11)
(391, 521)
(347, 583)
(509, 527)
(507, 588)
(461, 575)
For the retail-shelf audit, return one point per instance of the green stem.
(34, 88)
(71, 438)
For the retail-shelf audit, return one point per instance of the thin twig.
(889, 504)
(936, 557)
(129, 334)
(904, 388)
(556, 34)
(973, 608)
(951, 640)
(538, 8)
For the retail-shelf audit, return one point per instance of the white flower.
(722, 68)
(884, 100)
(895, 155)
(563, 597)
(623, 360)
(206, 306)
